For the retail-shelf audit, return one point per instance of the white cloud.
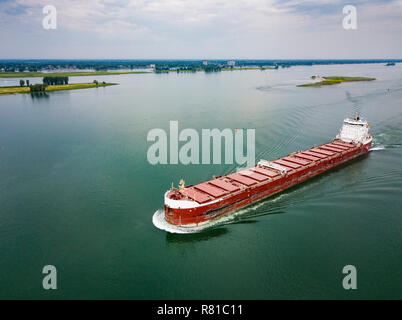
(211, 28)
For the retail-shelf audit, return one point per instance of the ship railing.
(272, 165)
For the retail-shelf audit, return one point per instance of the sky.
(200, 29)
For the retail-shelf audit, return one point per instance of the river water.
(77, 191)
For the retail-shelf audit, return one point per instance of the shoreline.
(190, 66)
(333, 80)
(51, 88)
(65, 74)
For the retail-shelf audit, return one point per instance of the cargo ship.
(196, 205)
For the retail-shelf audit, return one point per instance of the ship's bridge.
(355, 131)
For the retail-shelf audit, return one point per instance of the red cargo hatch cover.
(266, 172)
(328, 153)
(210, 189)
(254, 175)
(343, 148)
(242, 179)
(314, 154)
(325, 147)
(224, 185)
(306, 156)
(297, 160)
(343, 144)
(197, 196)
(287, 164)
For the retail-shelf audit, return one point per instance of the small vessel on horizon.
(196, 205)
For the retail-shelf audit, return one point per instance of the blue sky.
(198, 29)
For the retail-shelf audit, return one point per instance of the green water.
(77, 191)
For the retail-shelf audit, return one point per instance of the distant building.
(231, 63)
(152, 66)
(205, 62)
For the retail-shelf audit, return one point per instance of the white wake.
(158, 219)
(377, 148)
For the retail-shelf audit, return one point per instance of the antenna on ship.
(181, 185)
(357, 116)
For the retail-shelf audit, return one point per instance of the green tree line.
(55, 80)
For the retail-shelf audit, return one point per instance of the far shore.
(65, 74)
(23, 75)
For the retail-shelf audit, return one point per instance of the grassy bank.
(63, 74)
(329, 81)
(72, 86)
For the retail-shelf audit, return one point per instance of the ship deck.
(224, 186)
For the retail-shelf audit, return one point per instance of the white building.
(231, 63)
(205, 62)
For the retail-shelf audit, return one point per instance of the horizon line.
(216, 59)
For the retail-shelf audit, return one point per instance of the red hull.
(224, 195)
